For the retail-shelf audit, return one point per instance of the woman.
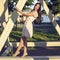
(28, 28)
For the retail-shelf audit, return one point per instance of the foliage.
(54, 5)
(28, 3)
(37, 36)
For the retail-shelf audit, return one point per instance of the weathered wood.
(36, 44)
(32, 58)
(4, 10)
(10, 25)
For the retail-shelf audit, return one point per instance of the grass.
(37, 36)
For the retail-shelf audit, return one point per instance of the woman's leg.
(25, 47)
(19, 48)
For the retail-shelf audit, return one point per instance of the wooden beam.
(2, 6)
(10, 25)
(36, 44)
(32, 58)
(4, 10)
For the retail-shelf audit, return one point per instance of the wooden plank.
(32, 58)
(20, 4)
(15, 58)
(4, 10)
(10, 25)
(49, 13)
(37, 44)
(5, 34)
(2, 6)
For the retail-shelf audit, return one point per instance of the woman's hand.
(17, 9)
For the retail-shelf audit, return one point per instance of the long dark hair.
(38, 19)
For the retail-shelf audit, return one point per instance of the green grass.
(37, 36)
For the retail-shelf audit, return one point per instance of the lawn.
(15, 35)
(37, 35)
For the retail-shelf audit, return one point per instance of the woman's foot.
(14, 55)
(25, 54)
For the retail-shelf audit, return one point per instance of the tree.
(54, 6)
(28, 3)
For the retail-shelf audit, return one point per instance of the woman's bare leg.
(25, 47)
(19, 48)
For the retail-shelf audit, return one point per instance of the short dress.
(28, 26)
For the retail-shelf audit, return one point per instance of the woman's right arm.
(23, 13)
(17, 9)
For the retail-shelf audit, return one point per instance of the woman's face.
(37, 6)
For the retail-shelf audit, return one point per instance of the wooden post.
(10, 24)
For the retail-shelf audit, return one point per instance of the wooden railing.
(32, 58)
(10, 23)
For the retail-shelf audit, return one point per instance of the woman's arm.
(23, 13)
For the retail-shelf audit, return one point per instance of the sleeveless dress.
(28, 26)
